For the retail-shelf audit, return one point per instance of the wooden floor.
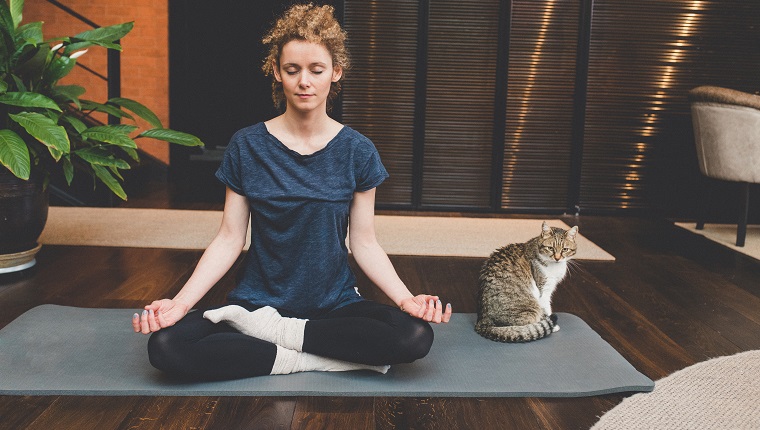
(670, 300)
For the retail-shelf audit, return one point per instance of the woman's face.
(306, 72)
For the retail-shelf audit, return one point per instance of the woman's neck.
(307, 124)
(304, 134)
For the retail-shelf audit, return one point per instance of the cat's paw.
(555, 329)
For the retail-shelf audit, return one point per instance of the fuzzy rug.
(192, 229)
(721, 393)
(725, 234)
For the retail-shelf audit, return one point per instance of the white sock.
(264, 323)
(289, 361)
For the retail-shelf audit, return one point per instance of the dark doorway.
(216, 83)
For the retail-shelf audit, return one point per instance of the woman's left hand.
(427, 307)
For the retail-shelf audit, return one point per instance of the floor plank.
(253, 413)
(85, 412)
(333, 413)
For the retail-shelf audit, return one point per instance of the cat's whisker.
(573, 266)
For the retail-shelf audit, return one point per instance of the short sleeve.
(372, 174)
(229, 171)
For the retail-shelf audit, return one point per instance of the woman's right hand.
(159, 314)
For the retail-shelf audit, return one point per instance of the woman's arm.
(375, 263)
(218, 258)
(222, 253)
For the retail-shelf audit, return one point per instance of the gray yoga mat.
(58, 350)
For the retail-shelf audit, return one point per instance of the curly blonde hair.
(311, 23)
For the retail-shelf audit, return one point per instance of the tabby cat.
(516, 285)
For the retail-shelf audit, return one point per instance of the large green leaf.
(103, 36)
(6, 17)
(31, 32)
(29, 60)
(32, 100)
(132, 153)
(6, 32)
(68, 93)
(75, 122)
(46, 131)
(68, 169)
(101, 157)
(73, 91)
(111, 33)
(111, 110)
(104, 175)
(107, 134)
(58, 68)
(123, 128)
(78, 46)
(16, 8)
(56, 153)
(172, 136)
(3, 86)
(14, 154)
(116, 173)
(19, 83)
(139, 109)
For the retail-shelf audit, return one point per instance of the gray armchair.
(727, 134)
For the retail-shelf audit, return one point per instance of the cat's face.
(557, 244)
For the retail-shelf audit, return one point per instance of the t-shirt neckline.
(298, 154)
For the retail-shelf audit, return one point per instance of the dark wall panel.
(461, 80)
(378, 96)
(541, 74)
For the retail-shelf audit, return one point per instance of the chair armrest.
(712, 94)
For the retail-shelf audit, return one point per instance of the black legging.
(365, 332)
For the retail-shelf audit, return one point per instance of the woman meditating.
(304, 180)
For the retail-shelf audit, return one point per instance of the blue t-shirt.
(298, 260)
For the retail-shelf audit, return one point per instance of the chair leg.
(707, 188)
(741, 229)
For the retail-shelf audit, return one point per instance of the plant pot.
(23, 214)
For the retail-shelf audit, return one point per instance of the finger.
(136, 322)
(421, 309)
(152, 321)
(162, 320)
(438, 311)
(430, 311)
(446, 315)
(144, 325)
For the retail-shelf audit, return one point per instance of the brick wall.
(144, 59)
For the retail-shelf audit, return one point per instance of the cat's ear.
(572, 233)
(546, 231)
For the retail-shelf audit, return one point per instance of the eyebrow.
(319, 63)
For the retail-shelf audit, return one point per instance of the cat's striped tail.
(518, 333)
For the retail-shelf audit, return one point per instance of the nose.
(303, 80)
(557, 257)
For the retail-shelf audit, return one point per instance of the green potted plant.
(46, 129)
